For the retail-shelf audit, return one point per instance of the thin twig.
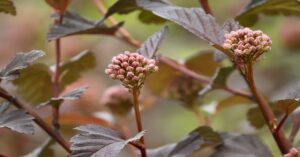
(135, 95)
(174, 65)
(38, 120)
(56, 84)
(205, 6)
(281, 122)
(267, 112)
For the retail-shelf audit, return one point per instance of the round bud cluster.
(118, 100)
(247, 45)
(294, 152)
(131, 69)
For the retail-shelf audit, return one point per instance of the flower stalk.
(56, 83)
(247, 46)
(135, 95)
(268, 114)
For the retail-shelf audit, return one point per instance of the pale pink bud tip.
(294, 152)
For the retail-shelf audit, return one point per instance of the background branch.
(38, 120)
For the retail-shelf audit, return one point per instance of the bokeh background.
(165, 120)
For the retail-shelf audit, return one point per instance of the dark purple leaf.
(162, 151)
(7, 6)
(4, 106)
(73, 95)
(97, 141)
(242, 146)
(150, 46)
(73, 24)
(128, 6)
(268, 7)
(194, 20)
(21, 61)
(18, 121)
(197, 139)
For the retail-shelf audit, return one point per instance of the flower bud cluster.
(131, 69)
(118, 100)
(294, 152)
(247, 45)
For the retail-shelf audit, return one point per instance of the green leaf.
(255, 116)
(203, 63)
(269, 7)
(232, 101)
(288, 105)
(7, 6)
(128, 6)
(72, 69)
(34, 84)
(74, 24)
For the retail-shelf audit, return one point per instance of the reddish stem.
(205, 6)
(267, 112)
(282, 121)
(38, 120)
(56, 85)
(135, 95)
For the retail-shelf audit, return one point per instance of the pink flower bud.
(247, 45)
(139, 69)
(124, 64)
(131, 69)
(120, 77)
(135, 64)
(121, 71)
(130, 75)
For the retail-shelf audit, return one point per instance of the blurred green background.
(277, 74)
